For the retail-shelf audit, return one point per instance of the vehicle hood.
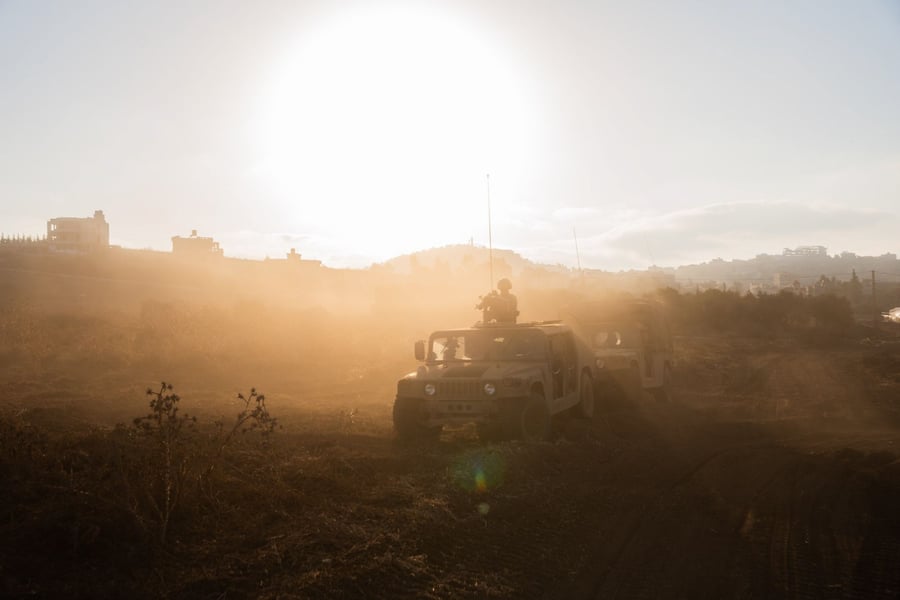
(475, 370)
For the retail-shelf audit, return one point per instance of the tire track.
(595, 584)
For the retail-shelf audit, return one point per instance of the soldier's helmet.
(504, 284)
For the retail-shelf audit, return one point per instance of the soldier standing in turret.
(500, 308)
(508, 308)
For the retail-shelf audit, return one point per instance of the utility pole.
(490, 235)
(876, 316)
(577, 253)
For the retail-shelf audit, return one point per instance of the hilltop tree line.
(765, 315)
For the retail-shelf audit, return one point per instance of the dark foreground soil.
(772, 473)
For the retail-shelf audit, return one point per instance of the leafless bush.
(347, 420)
(167, 463)
(167, 457)
(254, 416)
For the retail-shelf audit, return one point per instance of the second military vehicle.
(632, 347)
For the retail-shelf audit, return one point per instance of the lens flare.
(480, 480)
(479, 471)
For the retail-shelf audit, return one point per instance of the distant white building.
(77, 234)
(806, 251)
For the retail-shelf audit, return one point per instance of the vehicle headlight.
(429, 389)
(600, 363)
(490, 389)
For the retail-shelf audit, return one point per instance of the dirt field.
(772, 473)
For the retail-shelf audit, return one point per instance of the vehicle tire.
(608, 396)
(525, 419)
(510, 422)
(587, 404)
(632, 386)
(534, 420)
(489, 431)
(663, 393)
(409, 420)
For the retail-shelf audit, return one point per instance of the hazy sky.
(662, 132)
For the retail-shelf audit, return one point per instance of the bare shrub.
(254, 416)
(347, 420)
(166, 465)
(168, 455)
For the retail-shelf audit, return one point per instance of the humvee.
(509, 379)
(632, 348)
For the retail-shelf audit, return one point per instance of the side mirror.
(420, 350)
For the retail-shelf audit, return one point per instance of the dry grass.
(327, 505)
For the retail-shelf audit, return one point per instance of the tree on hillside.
(854, 289)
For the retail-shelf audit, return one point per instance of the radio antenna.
(577, 253)
(490, 238)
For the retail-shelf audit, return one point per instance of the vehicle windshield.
(606, 335)
(615, 335)
(487, 344)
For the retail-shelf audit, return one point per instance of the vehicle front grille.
(456, 389)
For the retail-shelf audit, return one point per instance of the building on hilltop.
(78, 234)
(806, 251)
(195, 246)
(294, 258)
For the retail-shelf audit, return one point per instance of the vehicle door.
(564, 367)
(657, 353)
(632, 339)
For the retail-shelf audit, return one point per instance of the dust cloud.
(135, 317)
(770, 472)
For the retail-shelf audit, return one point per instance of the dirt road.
(772, 474)
(783, 482)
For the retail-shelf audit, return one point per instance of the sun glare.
(377, 118)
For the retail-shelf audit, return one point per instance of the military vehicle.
(632, 348)
(509, 379)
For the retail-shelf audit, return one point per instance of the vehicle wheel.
(510, 422)
(489, 431)
(409, 420)
(586, 403)
(663, 393)
(608, 397)
(633, 389)
(534, 419)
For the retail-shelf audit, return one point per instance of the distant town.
(808, 270)
(83, 235)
